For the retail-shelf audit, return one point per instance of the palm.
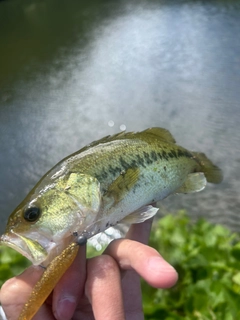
(104, 287)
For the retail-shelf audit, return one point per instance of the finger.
(132, 295)
(140, 231)
(70, 287)
(131, 285)
(45, 312)
(146, 261)
(103, 288)
(15, 292)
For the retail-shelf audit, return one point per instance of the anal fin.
(140, 215)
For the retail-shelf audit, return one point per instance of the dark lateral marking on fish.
(123, 163)
(104, 174)
(154, 155)
(159, 155)
(174, 153)
(134, 164)
(114, 171)
(165, 168)
(184, 153)
(147, 158)
(111, 170)
(140, 161)
(180, 153)
(164, 154)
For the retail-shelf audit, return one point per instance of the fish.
(115, 179)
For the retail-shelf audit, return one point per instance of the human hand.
(102, 288)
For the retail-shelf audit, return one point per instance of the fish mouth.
(37, 248)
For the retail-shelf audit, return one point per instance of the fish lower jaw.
(37, 251)
(13, 244)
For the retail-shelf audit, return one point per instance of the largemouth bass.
(115, 179)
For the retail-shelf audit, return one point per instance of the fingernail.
(66, 308)
(159, 265)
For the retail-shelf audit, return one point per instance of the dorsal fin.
(160, 133)
(117, 136)
(155, 132)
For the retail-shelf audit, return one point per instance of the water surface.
(72, 72)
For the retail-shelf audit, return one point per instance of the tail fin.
(212, 173)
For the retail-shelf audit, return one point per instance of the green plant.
(11, 263)
(207, 258)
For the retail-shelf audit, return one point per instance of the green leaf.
(11, 263)
(207, 258)
(236, 278)
(236, 251)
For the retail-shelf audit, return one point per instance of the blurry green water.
(71, 69)
(34, 33)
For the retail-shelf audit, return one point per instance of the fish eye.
(31, 214)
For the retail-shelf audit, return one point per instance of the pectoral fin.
(140, 215)
(195, 182)
(124, 182)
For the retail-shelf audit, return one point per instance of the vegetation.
(207, 258)
(11, 263)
